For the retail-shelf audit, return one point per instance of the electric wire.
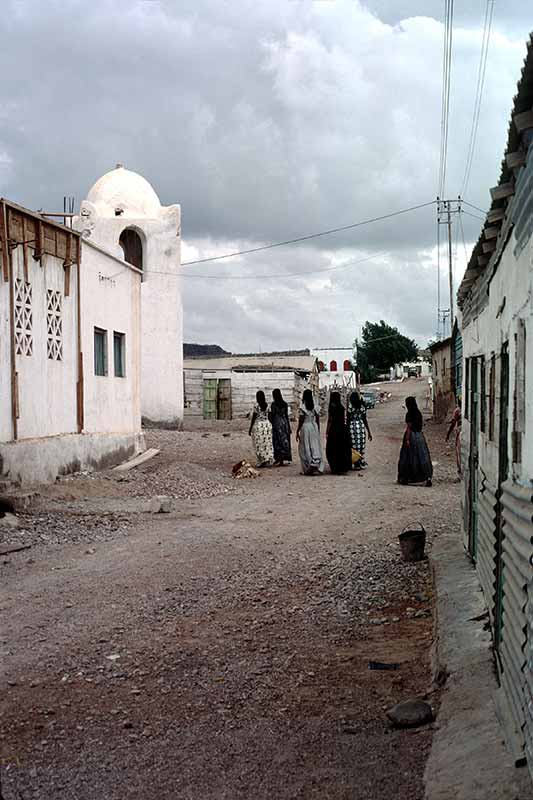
(474, 216)
(309, 236)
(473, 206)
(446, 91)
(487, 25)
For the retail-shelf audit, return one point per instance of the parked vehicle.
(370, 398)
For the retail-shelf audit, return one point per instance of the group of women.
(346, 434)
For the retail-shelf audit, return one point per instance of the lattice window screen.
(23, 318)
(54, 326)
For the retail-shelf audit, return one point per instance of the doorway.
(217, 398)
(503, 473)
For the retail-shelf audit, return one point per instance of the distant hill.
(199, 350)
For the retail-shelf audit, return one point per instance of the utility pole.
(446, 209)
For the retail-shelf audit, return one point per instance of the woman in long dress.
(281, 429)
(261, 432)
(359, 428)
(414, 465)
(338, 445)
(308, 436)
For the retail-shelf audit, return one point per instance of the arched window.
(347, 365)
(333, 366)
(132, 246)
(321, 366)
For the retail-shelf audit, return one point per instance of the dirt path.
(222, 651)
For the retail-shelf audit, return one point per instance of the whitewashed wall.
(110, 299)
(46, 386)
(161, 305)
(6, 431)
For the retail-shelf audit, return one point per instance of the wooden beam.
(516, 159)
(495, 214)
(489, 247)
(24, 251)
(502, 191)
(523, 121)
(483, 260)
(38, 249)
(492, 232)
(4, 246)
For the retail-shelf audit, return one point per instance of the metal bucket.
(412, 544)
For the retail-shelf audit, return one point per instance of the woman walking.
(308, 437)
(338, 445)
(415, 464)
(281, 429)
(261, 432)
(359, 428)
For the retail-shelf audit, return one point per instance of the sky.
(268, 121)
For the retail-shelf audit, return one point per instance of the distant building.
(88, 327)
(411, 369)
(225, 387)
(495, 299)
(442, 378)
(337, 368)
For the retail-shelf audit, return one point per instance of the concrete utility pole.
(445, 210)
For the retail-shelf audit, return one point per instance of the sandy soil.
(222, 650)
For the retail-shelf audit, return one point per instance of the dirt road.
(221, 651)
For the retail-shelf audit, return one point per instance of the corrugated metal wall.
(516, 677)
(486, 550)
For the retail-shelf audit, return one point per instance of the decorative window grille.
(23, 318)
(54, 325)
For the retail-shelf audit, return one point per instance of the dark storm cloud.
(265, 121)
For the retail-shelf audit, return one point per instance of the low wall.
(42, 460)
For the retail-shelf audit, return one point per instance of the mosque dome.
(123, 193)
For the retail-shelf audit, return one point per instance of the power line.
(281, 274)
(446, 89)
(489, 10)
(474, 216)
(309, 236)
(473, 206)
(463, 237)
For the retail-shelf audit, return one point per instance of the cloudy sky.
(266, 120)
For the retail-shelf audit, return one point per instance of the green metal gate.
(210, 398)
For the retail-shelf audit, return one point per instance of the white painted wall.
(486, 334)
(110, 300)
(6, 432)
(161, 306)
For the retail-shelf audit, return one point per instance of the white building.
(72, 331)
(336, 367)
(122, 214)
(224, 387)
(495, 298)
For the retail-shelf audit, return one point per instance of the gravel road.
(221, 650)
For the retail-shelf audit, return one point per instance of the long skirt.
(281, 436)
(262, 441)
(310, 449)
(415, 464)
(358, 435)
(338, 449)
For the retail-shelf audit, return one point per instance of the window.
(482, 397)
(132, 246)
(333, 366)
(519, 415)
(119, 347)
(347, 365)
(54, 328)
(467, 388)
(100, 351)
(23, 318)
(492, 396)
(436, 367)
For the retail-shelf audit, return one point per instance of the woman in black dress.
(338, 445)
(415, 464)
(281, 429)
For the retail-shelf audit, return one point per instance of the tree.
(381, 347)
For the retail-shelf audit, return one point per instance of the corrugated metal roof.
(484, 258)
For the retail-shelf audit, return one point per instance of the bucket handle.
(423, 530)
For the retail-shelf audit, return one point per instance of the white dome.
(125, 192)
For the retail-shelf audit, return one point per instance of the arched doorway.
(132, 247)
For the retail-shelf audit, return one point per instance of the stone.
(410, 713)
(9, 520)
(161, 504)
